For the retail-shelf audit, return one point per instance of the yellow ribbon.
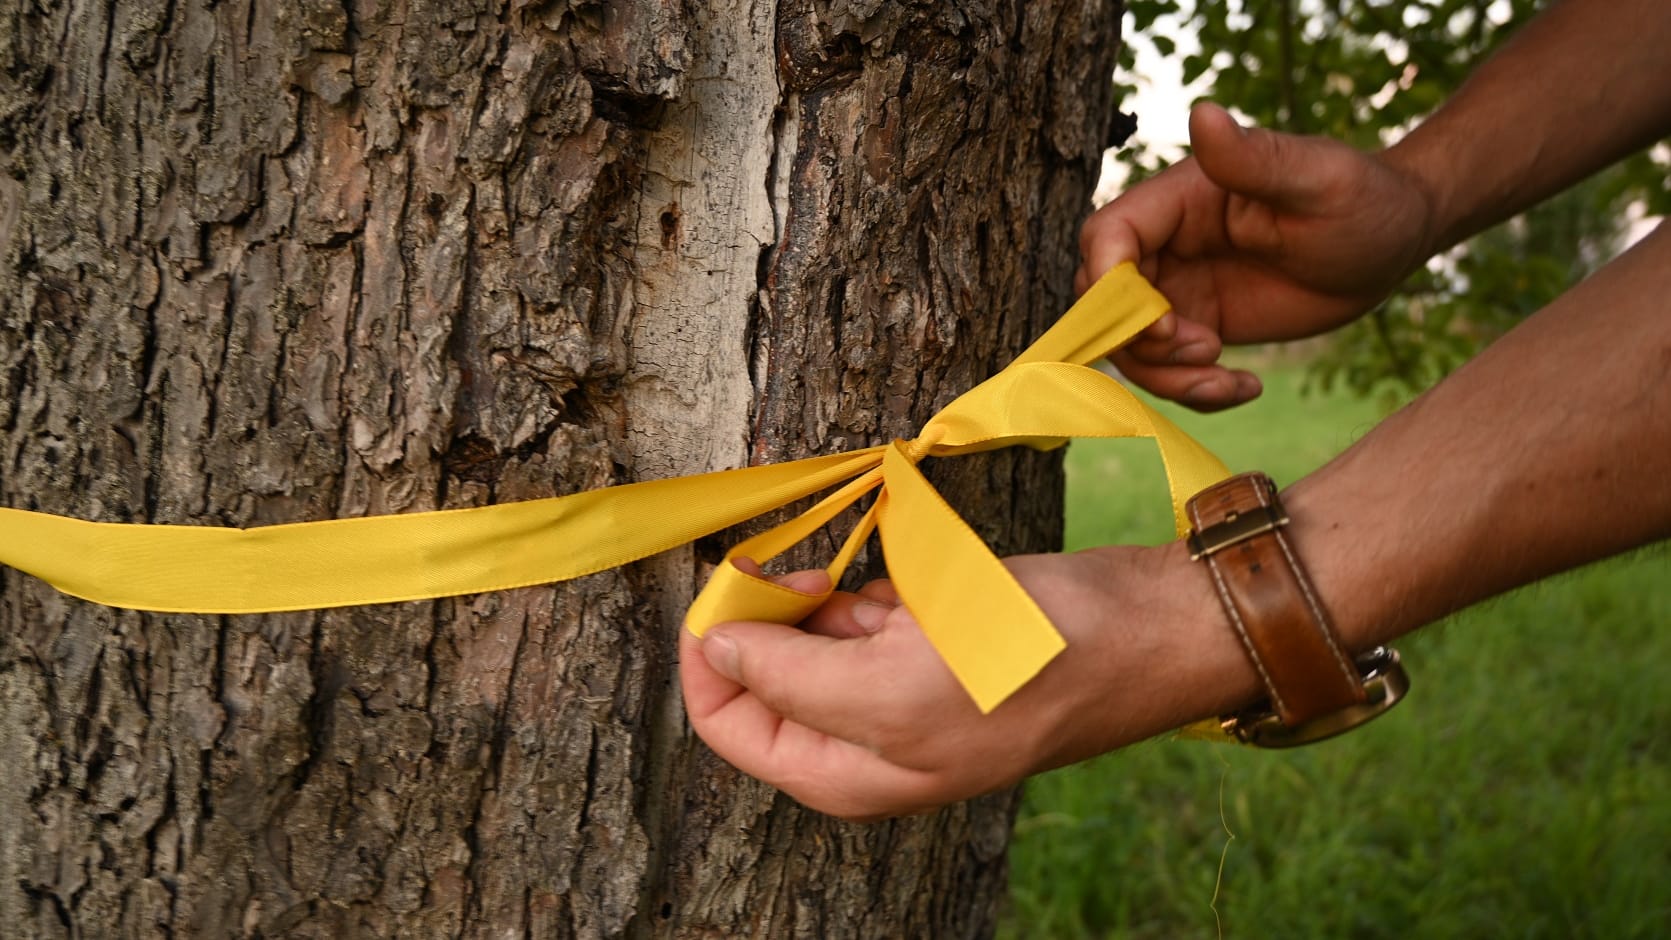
(978, 617)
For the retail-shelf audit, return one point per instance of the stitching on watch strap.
(1321, 621)
(1241, 631)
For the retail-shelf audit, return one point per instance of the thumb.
(1282, 170)
(833, 685)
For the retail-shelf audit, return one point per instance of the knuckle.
(771, 682)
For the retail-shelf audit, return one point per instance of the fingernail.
(721, 653)
(1203, 392)
(1164, 328)
(870, 616)
(814, 581)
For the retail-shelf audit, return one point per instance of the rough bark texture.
(277, 260)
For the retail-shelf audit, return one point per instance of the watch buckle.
(1237, 527)
(1384, 683)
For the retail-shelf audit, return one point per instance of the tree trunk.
(279, 260)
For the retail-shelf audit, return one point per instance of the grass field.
(1523, 790)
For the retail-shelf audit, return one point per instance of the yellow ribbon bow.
(978, 617)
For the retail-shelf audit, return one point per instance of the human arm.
(1549, 450)
(1582, 85)
(854, 714)
(1265, 236)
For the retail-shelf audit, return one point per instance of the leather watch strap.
(1238, 531)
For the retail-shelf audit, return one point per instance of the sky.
(1162, 100)
(1161, 103)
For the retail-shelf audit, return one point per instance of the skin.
(1549, 450)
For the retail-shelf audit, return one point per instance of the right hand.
(853, 713)
(1259, 236)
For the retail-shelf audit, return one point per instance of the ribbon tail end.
(1019, 668)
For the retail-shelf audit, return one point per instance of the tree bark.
(278, 260)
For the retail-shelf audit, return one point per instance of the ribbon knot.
(990, 633)
(917, 448)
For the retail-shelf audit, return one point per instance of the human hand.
(1258, 236)
(854, 714)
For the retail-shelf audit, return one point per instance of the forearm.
(1581, 86)
(1550, 450)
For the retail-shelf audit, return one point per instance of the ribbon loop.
(734, 594)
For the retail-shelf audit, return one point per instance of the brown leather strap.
(1270, 601)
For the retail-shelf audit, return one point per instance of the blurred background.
(1524, 789)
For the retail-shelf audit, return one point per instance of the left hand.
(1258, 236)
(854, 714)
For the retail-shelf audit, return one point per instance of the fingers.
(882, 592)
(853, 615)
(844, 614)
(827, 773)
(848, 615)
(821, 709)
(806, 581)
(785, 652)
(847, 687)
(1203, 388)
(1134, 226)
(1183, 367)
(1249, 175)
(1180, 342)
(1104, 242)
(807, 714)
(706, 689)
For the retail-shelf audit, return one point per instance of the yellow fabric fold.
(980, 620)
(990, 633)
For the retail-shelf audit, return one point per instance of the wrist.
(1317, 688)
(1178, 626)
(1424, 175)
(1370, 584)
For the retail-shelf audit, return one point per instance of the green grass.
(1523, 790)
